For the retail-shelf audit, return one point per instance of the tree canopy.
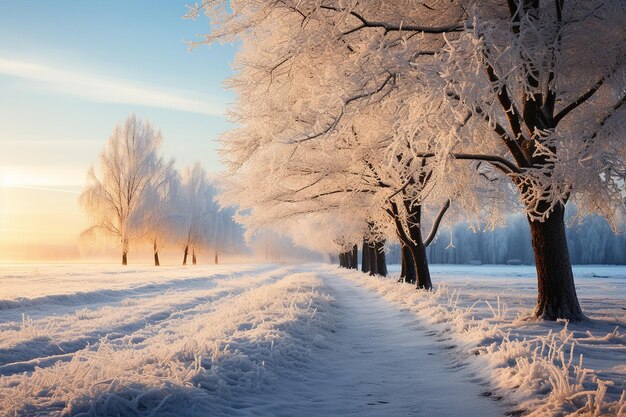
(380, 112)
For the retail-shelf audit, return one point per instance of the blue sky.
(71, 70)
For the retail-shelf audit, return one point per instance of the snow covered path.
(381, 363)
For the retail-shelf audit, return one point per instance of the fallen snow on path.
(537, 368)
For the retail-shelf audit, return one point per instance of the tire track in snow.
(107, 296)
(41, 352)
(200, 366)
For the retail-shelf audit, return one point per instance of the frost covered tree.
(538, 91)
(193, 203)
(200, 224)
(225, 235)
(198, 211)
(516, 86)
(130, 164)
(330, 70)
(159, 216)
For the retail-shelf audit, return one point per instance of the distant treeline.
(590, 242)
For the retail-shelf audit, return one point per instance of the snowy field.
(312, 340)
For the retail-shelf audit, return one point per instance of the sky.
(69, 72)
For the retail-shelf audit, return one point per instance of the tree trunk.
(125, 251)
(420, 264)
(407, 274)
(418, 250)
(193, 256)
(365, 257)
(381, 260)
(156, 255)
(414, 249)
(342, 261)
(556, 292)
(402, 264)
(372, 255)
(185, 255)
(355, 257)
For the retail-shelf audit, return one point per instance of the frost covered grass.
(185, 349)
(538, 368)
(301, 340)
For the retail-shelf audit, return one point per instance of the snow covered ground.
(310, 340)
(537, 368)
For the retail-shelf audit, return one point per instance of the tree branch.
(389, 27)
(512, 116)
(433, 230)
(501, 131)
(499, 162)
(395, 215)
(580, 100)
(335, 122)
(615, 107)
(406, 184)
(325, 194)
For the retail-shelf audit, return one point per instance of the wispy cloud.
(38, 177)
(53, 189)
(106, 89)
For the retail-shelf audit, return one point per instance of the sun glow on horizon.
(39, 216)
(63, 94)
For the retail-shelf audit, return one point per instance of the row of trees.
(374, 120)
(137, 195)
(590, 242)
